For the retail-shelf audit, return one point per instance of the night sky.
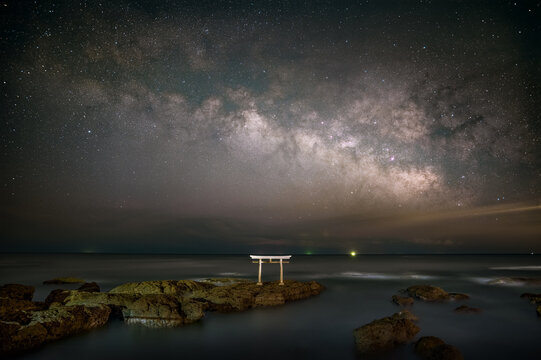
(280, 127)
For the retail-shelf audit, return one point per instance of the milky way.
(196, 127)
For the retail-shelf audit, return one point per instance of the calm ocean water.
(359, 290)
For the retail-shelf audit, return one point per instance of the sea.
(358, 291)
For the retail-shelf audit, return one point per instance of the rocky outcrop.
(64, 280)
(433, 293)
(51, 324)
(433, 348)
(17, 291)
(386, 333)
(175, 303)
(168, 287)
(402, 300)
(26, 324)
(16, 304)
(243, 296)
(18, 310)
(467, 309)
(152, 310)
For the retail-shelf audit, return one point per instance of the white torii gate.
(261, 260)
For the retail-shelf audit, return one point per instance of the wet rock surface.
(25, 324)
(17, 291)
(51, 324)
(433, 293)
(433, 348)
(402, 300)
(386, 333)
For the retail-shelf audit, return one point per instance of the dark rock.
(243, 296)
(58, 295)
(175, 303)
(402, 300)
(386, 333)
(458, 296)
(533, 298)
(539, 310)
(17, 291)
(467, 309)
(433, 293)
(169, 287)
(17, 310)
(17, 338)
(64, 280)
(89, 287)
(433, 348)
(52, 324)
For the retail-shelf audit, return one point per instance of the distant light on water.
(352, 253)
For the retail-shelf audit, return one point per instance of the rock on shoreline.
(402, 300)
(433, 293)
(386, 333)
(25, 324)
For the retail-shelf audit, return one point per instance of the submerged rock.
(386, 333)
(433, 348)
(433, 293)
(64, 280)
(402, 300)
(17, 291)
(467, 309)
(51, 324)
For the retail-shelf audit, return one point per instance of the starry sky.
(279, 127)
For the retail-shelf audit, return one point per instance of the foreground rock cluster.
(26, 324)
(400, 328)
